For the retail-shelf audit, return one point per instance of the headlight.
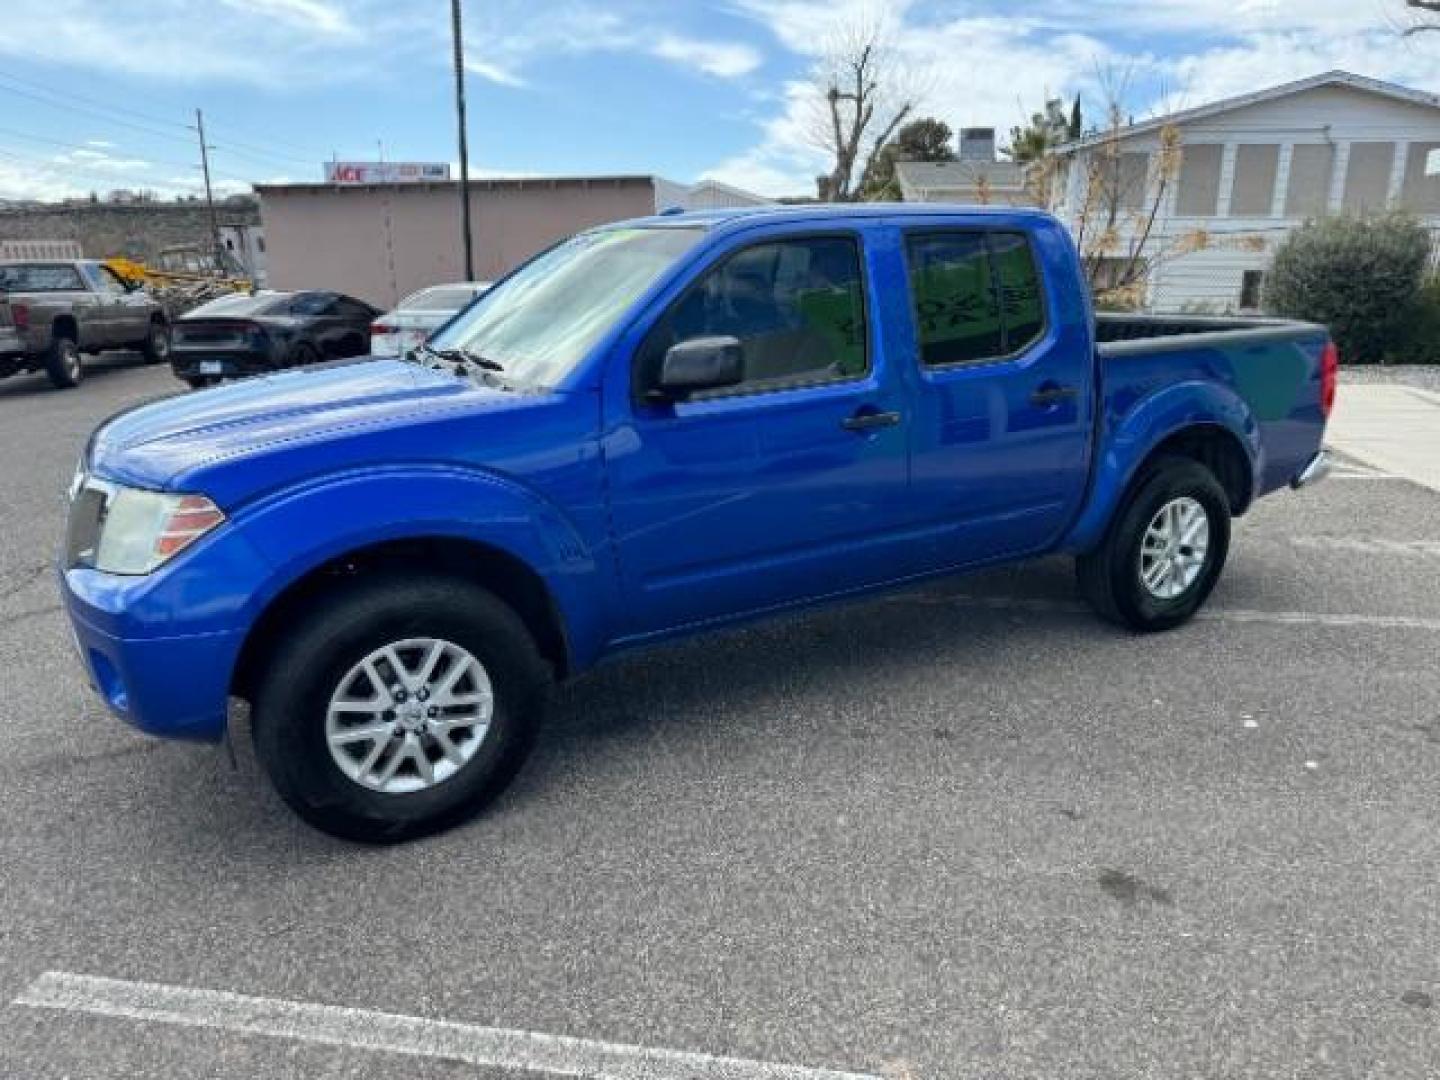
(143, 529)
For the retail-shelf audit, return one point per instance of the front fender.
(1127, 439)
(302, 528)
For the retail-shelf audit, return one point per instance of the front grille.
(82, 531)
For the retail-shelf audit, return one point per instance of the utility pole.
(209, 194)
(464, 147)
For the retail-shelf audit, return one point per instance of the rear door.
(1000, 436)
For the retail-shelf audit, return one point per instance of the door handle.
(1048, 394)
(868, 421)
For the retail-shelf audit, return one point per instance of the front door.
(1000, 437)
(787, 486)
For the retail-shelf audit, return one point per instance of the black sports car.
(251, 334)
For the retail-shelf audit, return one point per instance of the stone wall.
(135, 230)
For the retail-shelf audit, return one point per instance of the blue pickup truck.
(652, 429)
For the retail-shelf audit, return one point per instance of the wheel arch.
(510, 578)
(1204, 422)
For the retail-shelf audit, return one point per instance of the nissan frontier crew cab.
(652, 429)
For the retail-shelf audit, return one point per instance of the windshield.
(542, 321)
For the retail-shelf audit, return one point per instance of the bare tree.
(1424, 16)
(863, 93)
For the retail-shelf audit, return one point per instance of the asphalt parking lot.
(962, 832)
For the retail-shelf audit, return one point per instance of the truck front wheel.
(1163, 552)
(399, 708)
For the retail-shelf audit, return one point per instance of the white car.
(419, 315)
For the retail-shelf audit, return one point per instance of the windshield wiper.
(461, 358)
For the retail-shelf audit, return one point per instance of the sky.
(102, 97)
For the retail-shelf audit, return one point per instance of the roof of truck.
(776, 215)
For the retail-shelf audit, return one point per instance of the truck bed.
(1268, 369)
(1120, 335)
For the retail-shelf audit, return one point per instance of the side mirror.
(703, 363)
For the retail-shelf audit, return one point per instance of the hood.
(171, 442)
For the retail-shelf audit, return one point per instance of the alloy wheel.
(1174, 548)
(410, 715)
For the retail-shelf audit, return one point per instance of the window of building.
(1199, 192)
(1251, 282)
(1253, 194)
(1308, 191)
(1420, 193)
(977, 296)
(1126, 179)
(1367, 178)
(796, 306)
(260, 244)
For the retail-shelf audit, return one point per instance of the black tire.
(156, 346)
(1110, 576)
(304, 354)
(312, 662)
(63, 362)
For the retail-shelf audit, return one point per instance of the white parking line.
(361, 1029)
(1235, 615)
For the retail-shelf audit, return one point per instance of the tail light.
(1329, 377)
(377, 329)
(20, 313)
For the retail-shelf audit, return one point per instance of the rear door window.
(976, 295)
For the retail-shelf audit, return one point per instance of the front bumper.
(1315, 470)
(175, 687)
(161, 649)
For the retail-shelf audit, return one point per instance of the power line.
(150, 160)
(120, 115)
(107, 180)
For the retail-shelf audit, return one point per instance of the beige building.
(977, 176)
(381, 242)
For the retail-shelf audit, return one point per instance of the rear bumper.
(203, 363)
(1315, 470)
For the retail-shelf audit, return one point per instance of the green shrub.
(1421, 341)
(1361, 277)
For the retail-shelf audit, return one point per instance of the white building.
(1255, 167)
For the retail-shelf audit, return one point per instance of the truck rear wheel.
(1163, 552)
(399, 708)
(63, 363)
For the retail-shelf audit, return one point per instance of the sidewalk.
(1388, 427)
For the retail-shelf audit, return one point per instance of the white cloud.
(726, 60)
(493, 72)
(99, 159)
(512, 35)
(311, 15)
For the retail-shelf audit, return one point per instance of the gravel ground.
(1424, 376)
